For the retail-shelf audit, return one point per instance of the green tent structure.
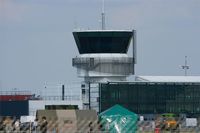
(118, 119)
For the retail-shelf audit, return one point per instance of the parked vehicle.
(170, 121)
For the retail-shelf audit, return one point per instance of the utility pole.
(186, 66)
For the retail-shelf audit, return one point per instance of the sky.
(37, 46)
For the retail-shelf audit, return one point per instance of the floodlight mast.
(185, 67)
(103, 23)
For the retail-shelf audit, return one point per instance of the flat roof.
(183, 79)
(80, 30)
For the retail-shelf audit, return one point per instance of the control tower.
(103, 56)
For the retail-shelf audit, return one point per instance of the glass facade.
(151, 98)
(103, 42)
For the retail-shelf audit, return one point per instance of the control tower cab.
(103, 55)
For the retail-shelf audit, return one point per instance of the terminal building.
(153, 95)
(104, 64)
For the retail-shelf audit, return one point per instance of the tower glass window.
(103, 42)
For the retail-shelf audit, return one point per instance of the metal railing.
(66, 98)
(14, 92)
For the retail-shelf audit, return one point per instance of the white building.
(57, 94)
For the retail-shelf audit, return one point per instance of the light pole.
(185, 67)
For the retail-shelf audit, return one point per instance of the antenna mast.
(103, 23)
(185, 67)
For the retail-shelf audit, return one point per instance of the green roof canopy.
(118, 119)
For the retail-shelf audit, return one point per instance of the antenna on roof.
(103, 23)
(185, 67)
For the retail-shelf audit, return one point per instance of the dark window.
(82, 85)
(83, 91)
(102, 42)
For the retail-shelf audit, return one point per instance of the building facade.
(151, 97)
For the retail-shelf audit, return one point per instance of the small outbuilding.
(69, 121)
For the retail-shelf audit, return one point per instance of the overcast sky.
(37, 46)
